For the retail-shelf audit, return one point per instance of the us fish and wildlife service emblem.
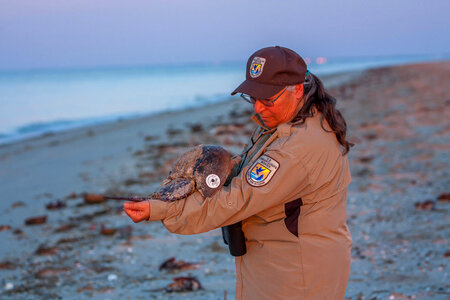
(262, 171)
(256, 67)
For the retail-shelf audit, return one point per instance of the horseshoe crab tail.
(135, 198)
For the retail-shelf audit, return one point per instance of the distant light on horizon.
(321, 60)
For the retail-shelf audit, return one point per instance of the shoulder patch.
(262, 171)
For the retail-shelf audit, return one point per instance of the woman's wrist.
(158, 209)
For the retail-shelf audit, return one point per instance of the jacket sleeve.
(278, 177)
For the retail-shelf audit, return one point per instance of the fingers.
(137, 211)
(136, 205)
(136, 216)
(130, 214)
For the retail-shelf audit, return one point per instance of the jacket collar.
(260, 123)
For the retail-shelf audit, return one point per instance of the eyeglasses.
(265, 102)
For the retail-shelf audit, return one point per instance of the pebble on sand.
(42, 250)
(107, 231)
(112, 277)
(172, 265)
(36, 220)
(444, 197)
(4, 227)
(7, 265)
(184, 284)
(55, 205)
(93, 198)
(425, 205)
(51, 272)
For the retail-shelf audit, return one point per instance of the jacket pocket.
(292, 211)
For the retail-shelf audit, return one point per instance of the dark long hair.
(314, 95)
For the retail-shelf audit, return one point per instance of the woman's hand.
(137, 211)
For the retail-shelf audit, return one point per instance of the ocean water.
(38, 102)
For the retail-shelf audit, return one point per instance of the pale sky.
(90, 33)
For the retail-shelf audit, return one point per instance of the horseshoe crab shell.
(204, 168)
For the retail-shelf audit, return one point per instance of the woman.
(290, 193)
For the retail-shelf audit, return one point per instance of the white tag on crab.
(213, 181)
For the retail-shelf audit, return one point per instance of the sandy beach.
(398, 201)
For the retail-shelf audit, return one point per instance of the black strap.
(232, 235)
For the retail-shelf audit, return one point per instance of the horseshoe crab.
(203, 168)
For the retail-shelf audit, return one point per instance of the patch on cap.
(256, 67)
(262, 171)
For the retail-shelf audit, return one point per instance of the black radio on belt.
(234, 237)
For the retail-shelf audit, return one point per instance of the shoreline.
(333, 80)
(330, 81)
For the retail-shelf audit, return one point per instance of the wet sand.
(397, 116)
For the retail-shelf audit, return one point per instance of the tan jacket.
(291, 199)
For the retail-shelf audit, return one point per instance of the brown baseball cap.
(269, 70)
